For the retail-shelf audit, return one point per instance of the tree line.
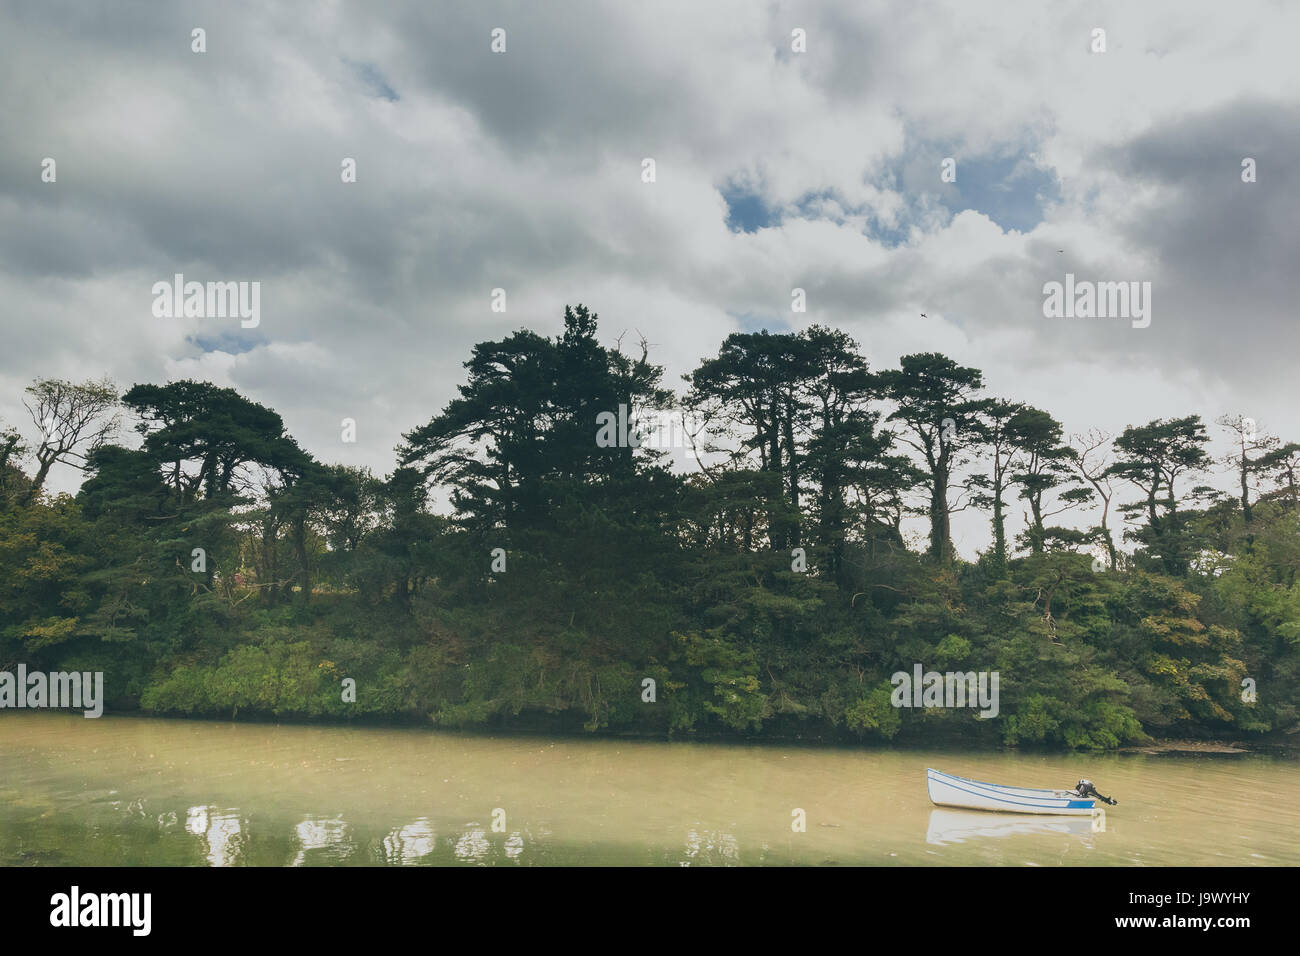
(212, 566)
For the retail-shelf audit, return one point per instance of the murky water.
(163, 792)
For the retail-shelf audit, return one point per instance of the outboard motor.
(1084, 788)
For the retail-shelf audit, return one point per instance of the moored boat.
(947, 790)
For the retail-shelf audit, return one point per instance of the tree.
(302, 495)
(11, 447)
(1283, 465)
(353, 508)
(844, 439)
(1246, 440)
(203, 436)
(936, 406)
(73, 420)
(993, 425)
(520, 447)
(753, 394)
(1153, 457)
(1088, 454)
(125, 483)
(13, 483)
(1037, 435)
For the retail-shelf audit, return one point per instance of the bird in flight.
(924, 316)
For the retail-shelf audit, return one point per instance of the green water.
(163, 792)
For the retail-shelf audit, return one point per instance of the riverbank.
(1287, 744)
(568, 726)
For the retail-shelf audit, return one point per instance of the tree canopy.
(531, 560)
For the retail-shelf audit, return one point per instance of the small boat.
(947, 790)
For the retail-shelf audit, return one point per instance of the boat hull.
(947, 790)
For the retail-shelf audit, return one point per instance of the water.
(165, 792)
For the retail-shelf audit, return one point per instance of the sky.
(783, 160)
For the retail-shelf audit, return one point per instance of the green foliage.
(875, 714)
(268, 679)
(723, 680)
(218, 570)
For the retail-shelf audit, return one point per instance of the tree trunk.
(300, 547)
(37, 482)
(268, 562)
(999, 530)
(1036, 532)
(1245, 491)
(793, 476)
(940, 543)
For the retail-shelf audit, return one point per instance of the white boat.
(947, 790)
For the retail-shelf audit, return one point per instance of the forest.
(512, 571)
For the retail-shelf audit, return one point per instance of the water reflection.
(407, 844)
(220, 829)
(319, 834)
(956, 826)
(711, 847)
(473, 845)
(223, 839)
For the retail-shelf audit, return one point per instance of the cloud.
(776, 170)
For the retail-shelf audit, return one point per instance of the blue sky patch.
(1011, 190)
(374, 81)
(758, 321)
(746, 210)
(230, 342)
